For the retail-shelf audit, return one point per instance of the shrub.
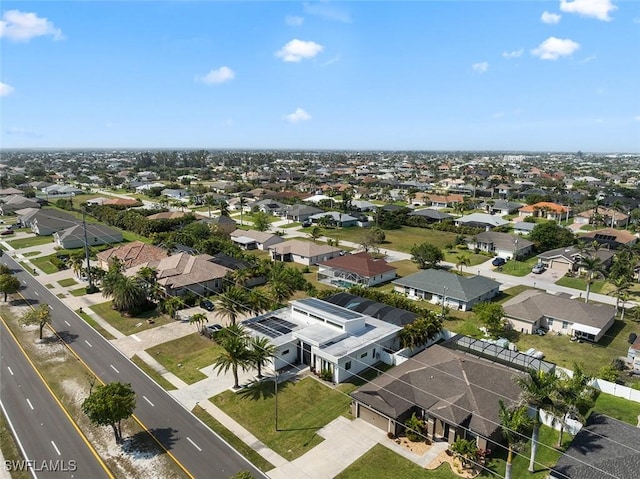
(58, 263)
(608, 373)
(618, 364)
(391, 435)
(326, 375)
(414, 428)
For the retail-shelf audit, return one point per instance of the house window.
(550, 322)
(347, 365)
(285, 352)
(565, 324)
(373, 353)
(363, 355)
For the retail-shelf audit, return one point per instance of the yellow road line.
(140, 423)
(66, 413)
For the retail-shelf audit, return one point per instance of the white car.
(538, 269)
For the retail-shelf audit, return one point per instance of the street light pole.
(276, 397)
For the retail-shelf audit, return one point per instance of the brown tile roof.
(621, 236)
(133, 254)
(446, 199)
(183, 269)
(361, 263)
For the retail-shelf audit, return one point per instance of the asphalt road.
(201, 452)
(45, 432)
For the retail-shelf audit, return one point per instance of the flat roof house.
(359, 269)
(533, 309)
(459, 292)
(303, 252)
(324, 337)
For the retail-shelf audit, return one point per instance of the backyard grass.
(239, 445)
(185, 356)
(618, 408)
(129, 325)
(382, 462)
(78, 292)
(152, 373)
(30, 241)
(581, 284)
(65, 283)
(303, 408)
(94, 324)
(44, 263)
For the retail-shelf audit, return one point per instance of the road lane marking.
(10, 371)
(67, 322)
(136, 338)
(114, 368)
(194, 444)
(50, 307)
(29, 403)
(24, 282)
(89, 344)
(56, 448)
(36, 293)
(145, 398)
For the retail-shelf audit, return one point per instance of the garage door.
(560, 266)
(373, 417)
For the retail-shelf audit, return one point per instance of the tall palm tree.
(514, 422)
(235, 354)
(242, 203)
(261, 351)
(77, 264)
(232, 303)
(259, 302)
(593, 266)
(537, 390)
(199, 319)
(210, 201)
(224, 208)
(315, 233)
(574, 397)
(462, 260)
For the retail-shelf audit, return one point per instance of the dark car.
(7, 232)
(306, 223)
(499, 261)
(208, 305)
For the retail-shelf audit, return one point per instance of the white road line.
(36, 293)
(194, 444)
(50, 307)
(114, 368)
(56, 448)
(145, 398)
(136, 338)
(24, 282)
(10, 371)
(29, 403)
(88, 343)
(67, 322)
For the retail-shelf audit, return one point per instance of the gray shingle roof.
(458, 287)
(431, 214)
(503, 241)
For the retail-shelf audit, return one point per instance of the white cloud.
(6, 89)
(497, 115)
(636, 118)
(599, 9)
(481, 67)
(221, 75)
(326, 11)
(513, 54)
(23, 26)
(297, 50)
(550, 18)
(22, 132)
(553, 48)
(293, 20)
(297, 116)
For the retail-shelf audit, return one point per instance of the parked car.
(540, 332)
(208, 305)
(306, 223)
(211, 330)
(499, 261)
(7, 232)
(538, 268)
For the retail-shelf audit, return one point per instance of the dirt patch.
(455, 465)
(419, 448)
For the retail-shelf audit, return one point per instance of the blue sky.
(561, 75)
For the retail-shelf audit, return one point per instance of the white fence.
(610, 388)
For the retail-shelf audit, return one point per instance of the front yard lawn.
(79, 291)
(303, 408)
(619, 408)
(30, 241)
(185, 356)
(67, 282)
(153, 374)
(519, 268)
(129, 325)
(94, 324)
(581, 284)
(44, 263)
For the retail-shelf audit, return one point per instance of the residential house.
(325, 337)
(11, 204)
(46, 222)
(362, 205)
(300, 213)
(173, 215)
(176, 194)
(446, 201)
(459, 292)
(504, 245)
(610, 238)
(505, 191)
(481, 220)
(303, 252)
(62, 191)
(145, 186)
(235, 264)
(180, 273)
(606, 216)
(131, 254)
(501, 207)
(604, 447)
(545, 209)
(523, 228)
(4, 192)
(431, 215)
(252, 239)
(359, 269)
(222, 223)
(270, 207)
(74, 237)
(445, 388)
(563, 260)
(533, 309)
(124, 202)
(340, 220)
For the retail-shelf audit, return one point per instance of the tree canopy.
(426, 255)
(550, 235)
(9, 284)
(109, 404)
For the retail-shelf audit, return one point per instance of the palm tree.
(127, 293)
(40, 316)
(259, 302)
(514, 422)
(462, 260)
(315, 233)
(172, 305)
(261, 351)
(593, 266)
(76, 264)
(537, 390)
(574, 397)
(235, 354)
(232, 303)
(210, 201)
(241, 203)
(224, 208)
(199, 319)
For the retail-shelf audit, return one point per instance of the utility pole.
(86, 248)
(276, 397)
(444, 297)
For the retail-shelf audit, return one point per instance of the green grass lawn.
(30, 241)
(619, 408)
(185, 356)
(519, 268)
(581, 284)
(78, 292)
(153, 374)
(44, 263)
(27, 267)
(474, 259)
(381, 462)
(94, 324)
(67, 282)
(255, 458)
(129, 325)
(303, 408)
(28, 254)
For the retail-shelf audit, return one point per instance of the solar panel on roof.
(271, 326)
